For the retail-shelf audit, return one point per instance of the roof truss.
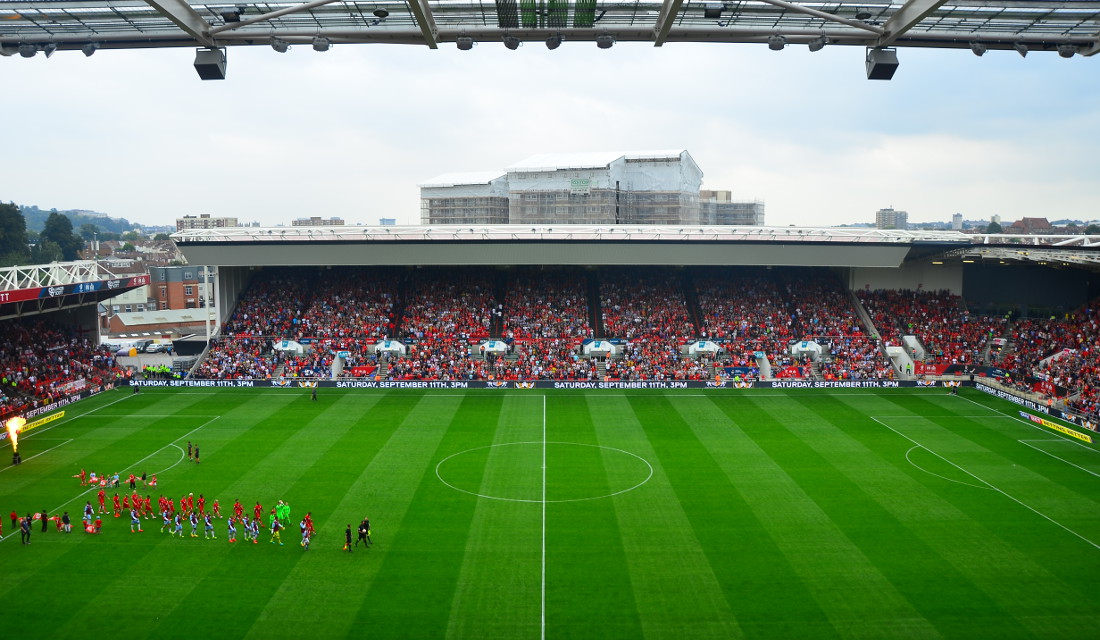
(1041, 25)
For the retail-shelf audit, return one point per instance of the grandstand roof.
(559, 244)
(516, 244)
(28, 290)
(1066, 26)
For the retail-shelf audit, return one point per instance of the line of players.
(173, 521)
(194, 511)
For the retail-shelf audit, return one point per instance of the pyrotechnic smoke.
(14, 426)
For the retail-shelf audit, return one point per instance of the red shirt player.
(82, 477)
(309, 523)
(259, 513)
(217, 509)
(102, 495)
(238, 510)
(118, 506)
(202, 505)
(135, 500)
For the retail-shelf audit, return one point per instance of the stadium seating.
(41, 362)
(652, 313)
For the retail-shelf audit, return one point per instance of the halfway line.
(542, 623)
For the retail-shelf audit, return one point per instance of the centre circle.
(514, 471)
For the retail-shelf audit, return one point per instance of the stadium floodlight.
(49, 49)
(1021, 49)
(511, 42)
(978, 48)
(818, 43)
(605, 41)
(381, 13)
(553, 42)
(280, 45)
(862, 14)
(27, 50)
(464, 43)
(1067, 50)
(321, 43)
(210, 63)
(231, 14)
(90, 48)
(882, 62)
(777, 42)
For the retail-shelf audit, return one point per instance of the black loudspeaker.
(210, 63)
(881, 63)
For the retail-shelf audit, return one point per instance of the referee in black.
(364, 530)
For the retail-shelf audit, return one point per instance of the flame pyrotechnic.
(14, 426)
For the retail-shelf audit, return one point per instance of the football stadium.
(575, 431)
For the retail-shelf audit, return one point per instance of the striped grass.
(530, 515)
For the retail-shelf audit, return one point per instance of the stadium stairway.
(691, 299)
(595, 311)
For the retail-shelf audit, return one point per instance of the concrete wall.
(926, 276)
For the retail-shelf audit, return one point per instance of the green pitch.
(730, 514)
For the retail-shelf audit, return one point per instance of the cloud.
(350, 132)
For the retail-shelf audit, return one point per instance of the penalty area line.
(1041, 450)
(994, 488)
(127, 467)
(1028, 424)
(38, 432)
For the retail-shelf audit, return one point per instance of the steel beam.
(185, 18)
(268, 16)
(905, 18)
(669, 10)
(858, 24)
(426, 21)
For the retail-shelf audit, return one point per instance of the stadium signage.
(36, 293)
(405, 384)
(831, 384)
(533, 384)
(87, 392)
(1055, 426)
(200, 383)
(1011, 397)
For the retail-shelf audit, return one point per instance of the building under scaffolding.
(650, 187)
(465, 198)
(718, 207)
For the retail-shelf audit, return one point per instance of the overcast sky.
(350, 132)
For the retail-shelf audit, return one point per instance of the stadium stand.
(41, 362)
(939, 320)
(544, 317)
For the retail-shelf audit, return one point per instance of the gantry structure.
(1065, 27)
